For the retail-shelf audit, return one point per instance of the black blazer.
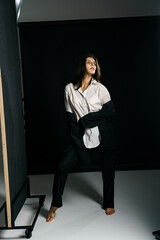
(102, 118)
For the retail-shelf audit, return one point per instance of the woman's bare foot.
(110, 211)
(51, 214)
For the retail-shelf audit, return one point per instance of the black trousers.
(71, 158)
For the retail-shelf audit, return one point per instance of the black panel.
(128, 51)
(10, 66)
(19, 200)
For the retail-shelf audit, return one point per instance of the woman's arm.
(107, 112)
(94, 119)
(75, 128)
(67, 101)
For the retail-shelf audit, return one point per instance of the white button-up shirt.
(81, 103)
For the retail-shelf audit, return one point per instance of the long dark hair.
(81, 70)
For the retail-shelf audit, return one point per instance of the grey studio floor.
(137, 204)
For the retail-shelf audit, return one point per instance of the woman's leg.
(68, 161)
(108, 174)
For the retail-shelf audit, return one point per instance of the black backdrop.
(128, 52)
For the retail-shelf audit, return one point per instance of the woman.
(90, 113)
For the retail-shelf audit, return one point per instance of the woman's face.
(90, 66)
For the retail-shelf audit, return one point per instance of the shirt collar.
(94, 81)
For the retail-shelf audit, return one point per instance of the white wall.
(51, 10)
